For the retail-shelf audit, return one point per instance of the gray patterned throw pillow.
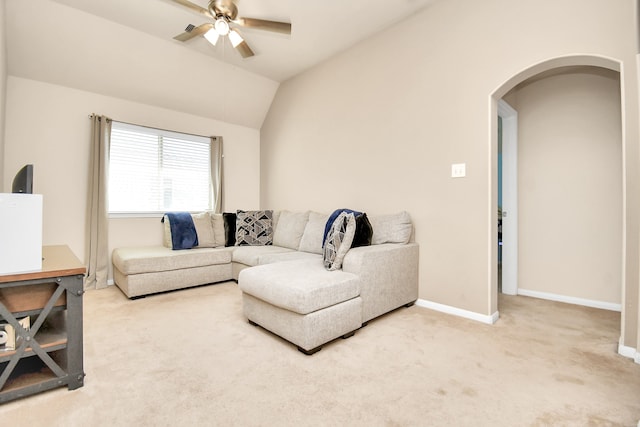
(339, 240)
(254, 228)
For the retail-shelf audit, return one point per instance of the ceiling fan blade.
(191, 32)
(262, 24)
(195, 8)
(244, 50)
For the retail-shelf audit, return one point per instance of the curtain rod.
(92, 115)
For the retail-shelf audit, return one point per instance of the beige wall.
(570, 184)
(48, 125)
(3, 88)
(378, 127)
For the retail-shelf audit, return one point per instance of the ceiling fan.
(224, 13)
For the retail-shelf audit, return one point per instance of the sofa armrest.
(388, 276)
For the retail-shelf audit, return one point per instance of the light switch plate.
(458, 170)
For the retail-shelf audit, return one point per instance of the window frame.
(161, 133)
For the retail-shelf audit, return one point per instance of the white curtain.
(97, 256)
(216, 173)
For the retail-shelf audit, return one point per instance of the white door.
(509, 198)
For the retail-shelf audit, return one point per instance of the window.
(157, 171)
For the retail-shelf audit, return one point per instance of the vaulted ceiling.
(125, 49)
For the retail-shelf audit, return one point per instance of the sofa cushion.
(204, 230)
(339, 240)
(394, 228)
(299, 286)
(254, 228)
(250, 255)
(269, 258)
(182, 230)
(274, 219)
(364, 231)
(332, 219)
(289, 229)
(229, 219)
(217, 222)
(311, 240)
(166, 236)
(146, 259)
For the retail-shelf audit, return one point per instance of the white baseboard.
(629, 352)
(571, 300)
(110, 282)
(488, 319)
(625, 351)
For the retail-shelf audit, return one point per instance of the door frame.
(509, 197)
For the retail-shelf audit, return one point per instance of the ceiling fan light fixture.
(235, 38)
(222, 26)
(212, 36)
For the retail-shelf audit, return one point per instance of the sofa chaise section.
(302, 302)
(145, 270)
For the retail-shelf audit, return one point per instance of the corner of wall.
(3, 88)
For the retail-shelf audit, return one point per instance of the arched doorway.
(544, 69)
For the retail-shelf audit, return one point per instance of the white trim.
(629, 352)
(509, 197)
(488, 319)
(110, 282)
(571, 300)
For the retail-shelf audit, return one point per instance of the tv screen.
(23, 181)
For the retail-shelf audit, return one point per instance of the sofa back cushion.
(394, 228)
(217, 221)
(289, 229)
(311, 240)
(204, 230)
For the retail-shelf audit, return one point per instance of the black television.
(23, 181)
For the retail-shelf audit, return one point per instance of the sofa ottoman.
(302, 302)
(145, 270)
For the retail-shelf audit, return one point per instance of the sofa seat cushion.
(287, 256)
(302, 286)
(250, 255)
(147, 259)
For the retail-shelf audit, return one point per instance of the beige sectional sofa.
(285, 286)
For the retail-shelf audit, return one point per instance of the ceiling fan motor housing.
(225, 8)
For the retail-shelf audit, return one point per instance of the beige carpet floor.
(189, 358)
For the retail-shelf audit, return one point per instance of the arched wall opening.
(544, 67)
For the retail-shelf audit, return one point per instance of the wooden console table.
(51, 299)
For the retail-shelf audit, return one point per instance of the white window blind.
(157, 171)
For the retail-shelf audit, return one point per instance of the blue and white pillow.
(339, 240)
